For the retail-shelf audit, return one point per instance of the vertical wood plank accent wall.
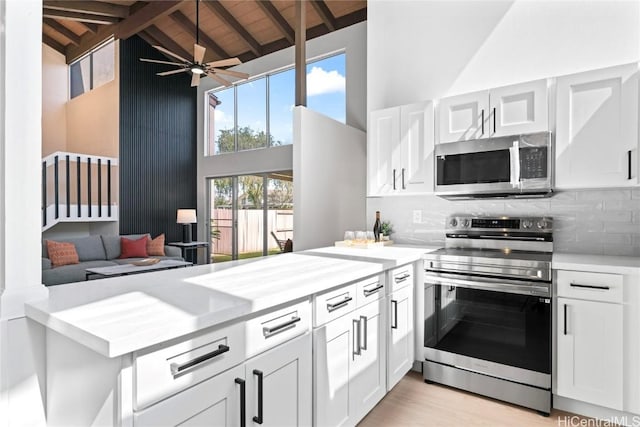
(158, 143)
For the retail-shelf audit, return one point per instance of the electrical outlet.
(417, 217)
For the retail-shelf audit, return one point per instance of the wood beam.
(62, 30)
(301, 56)
(90, 27)
(279, 21)
(145, 17)
(205, 40)
(325, 14)
(78, 16)
(153, 42)
(53, 43)
(90, 7)
(168, 43)
(222, 13)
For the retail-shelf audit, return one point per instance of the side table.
(192, 249)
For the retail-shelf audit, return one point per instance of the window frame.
(91, 77)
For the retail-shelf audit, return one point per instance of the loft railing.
(78, 188)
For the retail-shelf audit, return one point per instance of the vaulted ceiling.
(245, 29)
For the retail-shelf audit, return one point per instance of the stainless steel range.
(487, 309)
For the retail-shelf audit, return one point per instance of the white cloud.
(223, 121)
(320, 81)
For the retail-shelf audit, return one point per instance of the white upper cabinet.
(383, 148)
(519, 109)
(400, 150)
(509, 110)
(597, 128)
(464, 117)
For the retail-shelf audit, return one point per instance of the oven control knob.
(465, 223)
(453, 222)
(527, 224)
(541, 224)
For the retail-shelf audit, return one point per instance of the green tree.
(247, 139)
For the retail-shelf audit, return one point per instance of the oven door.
(507, 165)
(490, 331)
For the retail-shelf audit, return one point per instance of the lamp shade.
(186, 216)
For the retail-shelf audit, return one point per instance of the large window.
(258, 113)
(92, 70)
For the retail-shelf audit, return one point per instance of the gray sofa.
(93, 251)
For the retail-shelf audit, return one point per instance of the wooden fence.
(250, 229)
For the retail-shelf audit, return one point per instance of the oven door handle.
(527, 288)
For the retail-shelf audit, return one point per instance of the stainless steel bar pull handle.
(394, 179)
(177, 368)
(337, 305)
(565, 319)
(400, 279)
(258, 419)
(578, 285)
(494, 119)
(364, 319)
(403, 186)
(482, 118)
(356, 337)
(394, 307)
(369, 292)
(629, 164)
(243, 402)
(269, 331)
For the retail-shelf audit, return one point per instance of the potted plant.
(386, 230)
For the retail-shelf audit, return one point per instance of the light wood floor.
(412, 402)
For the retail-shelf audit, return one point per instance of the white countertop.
(596, 263)
(389, 256)
(119, 315)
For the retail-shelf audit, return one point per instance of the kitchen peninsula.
(138, 350)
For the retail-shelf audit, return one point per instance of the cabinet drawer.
(163, 372)
(604, 287)
(276, 327)
(333, 304)
(401, 277)
(369, 290)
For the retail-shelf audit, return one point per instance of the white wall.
(329, 179)
(351, 40)
(420, 50)
(20, 154)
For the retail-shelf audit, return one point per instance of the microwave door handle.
(514, 161)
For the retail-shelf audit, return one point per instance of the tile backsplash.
(605, 222)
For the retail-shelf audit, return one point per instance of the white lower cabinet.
(590, 352)
(590, 344)
(279, 385)
(349, 366)
(272, 389)
(400, 342)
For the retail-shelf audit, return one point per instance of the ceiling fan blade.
(231, 73)
(168, 52)
(167, 73)
(198, 53)
(224, 62)
(195, 80)
(220, 79)
(155, 61)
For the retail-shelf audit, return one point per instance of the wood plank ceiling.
(245, 29)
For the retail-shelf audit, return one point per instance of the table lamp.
(186, 217)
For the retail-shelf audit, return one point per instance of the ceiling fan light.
(197, 69)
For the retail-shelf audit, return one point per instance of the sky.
(325, 94)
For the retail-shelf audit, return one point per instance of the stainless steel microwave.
(513, 166)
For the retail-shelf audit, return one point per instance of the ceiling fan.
(197, 67)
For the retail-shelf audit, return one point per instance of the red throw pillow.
(156, 246)
(133, 248)
(62, 253)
